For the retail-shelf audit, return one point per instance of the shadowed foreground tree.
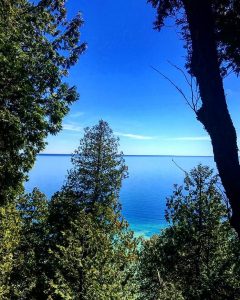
(197, 256)
(38, 45)
(211, 29)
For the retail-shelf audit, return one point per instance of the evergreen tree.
(91, 262)
(38, 45)
(77, 246)
(93, 253)
(198, 253)
(98, 168)
(96, 178)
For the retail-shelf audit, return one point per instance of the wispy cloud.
(190, 138)
(76, 114)
(72, 127)
(135, 136)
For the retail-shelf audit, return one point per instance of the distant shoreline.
(130, 155)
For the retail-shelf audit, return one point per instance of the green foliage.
(77, 246)
(30, 255)
(94, 249)
(9, 240)
(93, 263)
(198, 253)
(37, 47)
(95, 179)
(98, 167)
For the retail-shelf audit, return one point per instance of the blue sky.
(117, 84)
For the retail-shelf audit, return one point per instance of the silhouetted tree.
(211, 29)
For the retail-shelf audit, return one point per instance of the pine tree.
(198, 253)
(93, 252)
(94, 182)
(98, 167)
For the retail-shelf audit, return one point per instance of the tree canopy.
(196, 256)
(96, 250)
(38, 45)
(77, 245)
(98, 171)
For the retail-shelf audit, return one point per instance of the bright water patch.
(143, 194)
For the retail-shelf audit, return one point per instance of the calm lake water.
(143, 195)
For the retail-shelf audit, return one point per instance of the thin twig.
(180, 70)
(194, 94)
(178, 88)
(180, 168)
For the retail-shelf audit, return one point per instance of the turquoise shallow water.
(143, 195)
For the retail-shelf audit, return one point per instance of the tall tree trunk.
(214, 114)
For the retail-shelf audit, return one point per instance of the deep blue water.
(143, 195)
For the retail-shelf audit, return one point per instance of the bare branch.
(180, 70)
(195, 97)
(180, 168)
(178, 88)
(193, 100)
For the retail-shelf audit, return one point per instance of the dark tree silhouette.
(211, 31)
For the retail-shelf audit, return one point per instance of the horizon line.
(154, 155)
